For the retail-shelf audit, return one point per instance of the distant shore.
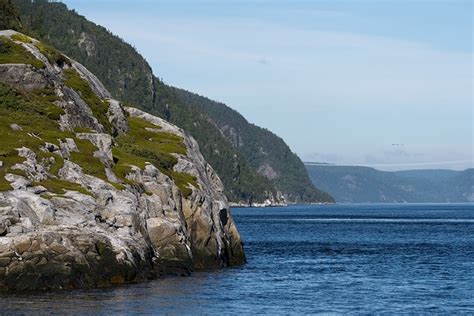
(263, 205)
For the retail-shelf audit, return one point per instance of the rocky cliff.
(94, 194)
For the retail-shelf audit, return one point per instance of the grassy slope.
(37, 115)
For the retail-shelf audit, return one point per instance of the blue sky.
(381, 83)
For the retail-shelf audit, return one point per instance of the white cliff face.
(104, 230)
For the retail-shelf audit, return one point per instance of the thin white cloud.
(340, 65)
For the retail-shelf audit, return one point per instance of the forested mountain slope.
(266, 152)
(9, 16)
(262, 168)
(357, 184)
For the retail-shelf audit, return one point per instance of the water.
(311, 259)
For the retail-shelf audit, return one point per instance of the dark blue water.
(312, 259)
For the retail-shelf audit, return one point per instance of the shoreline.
(265, 205)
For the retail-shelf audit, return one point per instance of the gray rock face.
(95, 83)
(117, 117)
(23, 76)
(77, 113)
(102, 234)
(214, 238)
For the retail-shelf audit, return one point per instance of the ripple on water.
(311, 259)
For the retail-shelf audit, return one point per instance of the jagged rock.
(95, 83)
(117, 117)
(48, 147)
(103, 142)
(34, 170)
(24, 76)
(67, 146)
(100, 231)
(17, 182)
(77, 113)
(15, 127)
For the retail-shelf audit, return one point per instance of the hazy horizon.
(385, 84)
(386, 167)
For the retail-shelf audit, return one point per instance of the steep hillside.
(242, 183)
(248, 177)
(92, 193)
(363, 184)
(266, 152)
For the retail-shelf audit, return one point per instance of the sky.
(387, 84)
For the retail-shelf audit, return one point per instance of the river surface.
(391, 258)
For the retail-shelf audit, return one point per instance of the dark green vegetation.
(127, 75)
(241, 182)
(9, 16)
(265, 152)
(31, 111)
(363, 184)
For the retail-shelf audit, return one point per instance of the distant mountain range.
(363, 184)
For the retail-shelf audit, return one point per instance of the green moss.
(46, 196)
(4, 185)
(28, 111)
(137, 123)
(124, 161)
(82, 130)
(85, 158)
(118, 186)
(54, 113)
(158, 142)
(9, 159)
(183, 180)
(39, 101)
(60, 186)
(45, 94)
(18, 172)
(9, 99)
(157, 158)
(53, 56)
(140, 146)
(21, 38)
(12, 53)
(58, 164)
(98, 106)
